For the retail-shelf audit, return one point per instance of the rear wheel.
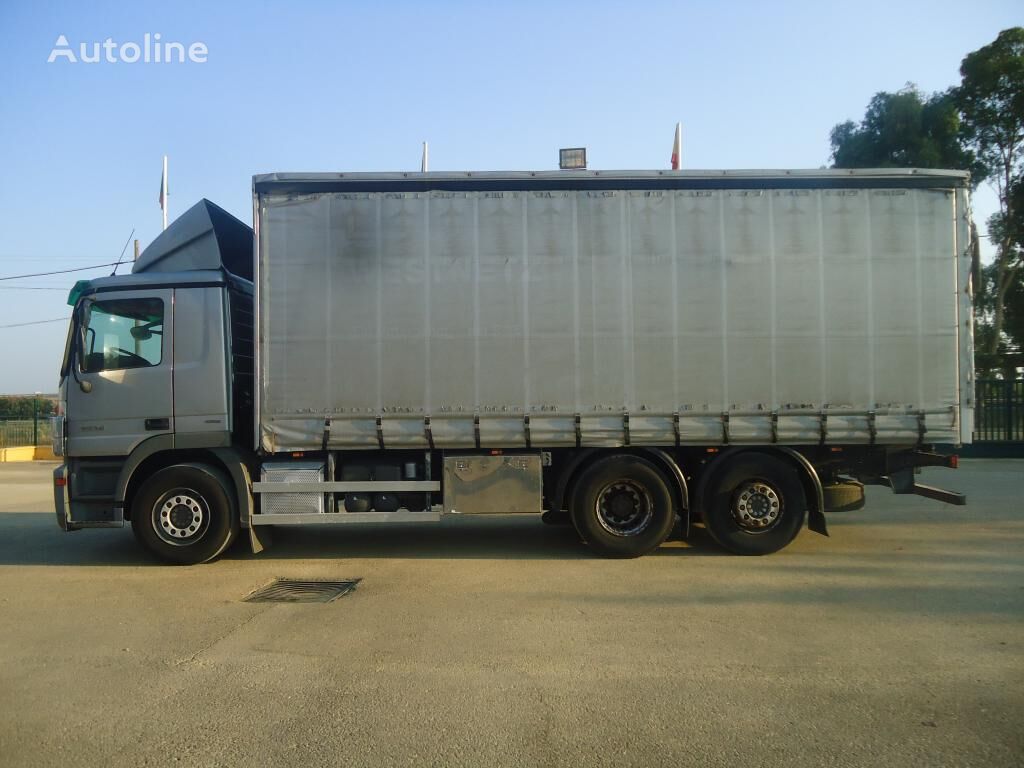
(754, 505)
(622, 506)
(184, 515)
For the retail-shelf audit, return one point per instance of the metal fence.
(999, 414)
(25, 421)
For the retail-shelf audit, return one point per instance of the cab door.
(125, 358)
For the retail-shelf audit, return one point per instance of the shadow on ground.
(34, 539)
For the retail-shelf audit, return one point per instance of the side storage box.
(292, 472)
(492, 484)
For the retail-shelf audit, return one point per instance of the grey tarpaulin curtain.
(672, 306)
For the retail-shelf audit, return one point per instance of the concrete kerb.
(27, 453)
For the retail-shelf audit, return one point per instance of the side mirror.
(85, 386)
(141, 333)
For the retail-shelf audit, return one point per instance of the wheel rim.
(181, 517)
(756, 506)
(624, 507)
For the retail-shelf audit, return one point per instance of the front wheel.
(754, 505)
(184, 515)
(622, 506)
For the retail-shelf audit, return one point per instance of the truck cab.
(157, 369)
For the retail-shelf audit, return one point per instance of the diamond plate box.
(292, 472)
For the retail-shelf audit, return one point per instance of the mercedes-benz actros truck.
(625, 352)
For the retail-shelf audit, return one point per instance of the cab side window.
(124, 333)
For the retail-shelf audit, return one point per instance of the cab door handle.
(158, 424)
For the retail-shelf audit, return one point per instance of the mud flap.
(816, 521)
(260, 538)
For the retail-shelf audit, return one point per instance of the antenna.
(122, 252)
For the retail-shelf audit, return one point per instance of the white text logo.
(150, 51)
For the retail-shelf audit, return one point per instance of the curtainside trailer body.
(614, 349)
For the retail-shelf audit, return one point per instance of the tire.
(754, 504)
(622, 506)
(161, 520)
(845, 496)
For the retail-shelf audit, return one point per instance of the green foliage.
(1007, 226)
(905, 130)
(997, 356)
(1013, 300)
(19, 407)
(991, 102)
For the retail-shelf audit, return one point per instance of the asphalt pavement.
(502, 642)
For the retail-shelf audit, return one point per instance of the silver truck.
(620, 351)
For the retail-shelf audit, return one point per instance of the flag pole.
(163, 192)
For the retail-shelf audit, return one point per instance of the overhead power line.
(59, 271)
(23, 258)
(35, 322)
(33, 288)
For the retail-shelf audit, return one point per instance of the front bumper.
(84, 511)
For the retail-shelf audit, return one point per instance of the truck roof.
(196, 278)
(150, 279)
(817, 178)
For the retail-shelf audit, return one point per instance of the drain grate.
(295, 591)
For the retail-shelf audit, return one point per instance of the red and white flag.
(677, 147)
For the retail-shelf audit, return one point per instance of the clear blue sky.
(333, 86)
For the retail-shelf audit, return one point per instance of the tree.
(997, 356)
(24, 406)
(905, 130)
(991, 102)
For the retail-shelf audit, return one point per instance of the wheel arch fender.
(805, 470)
(567, 477)
(680, 488)
(223, 464)
(129, 476)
